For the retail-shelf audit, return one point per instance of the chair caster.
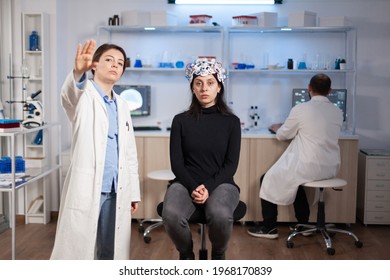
(359, 244)
(331, 251)
(147, 239)
(290, 244)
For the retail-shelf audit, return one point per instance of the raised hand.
(83, 60)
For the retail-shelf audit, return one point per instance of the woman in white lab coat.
(313, 154)
(93, 127)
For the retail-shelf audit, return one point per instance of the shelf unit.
(32, 175)
(145, 39)
(39, 79)
(270, 89)
(163, 44)
(264, 46)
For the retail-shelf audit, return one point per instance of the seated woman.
(204, 152)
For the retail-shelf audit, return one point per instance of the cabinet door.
(340, 205)
(242, 175)
(156, 157)
(263, 154)
(140, 154)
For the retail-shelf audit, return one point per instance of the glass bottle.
(34, 41)
(128, 62)
(115, 20)
(138, 62)
(25, 69)
(290, 63)
(337, 64)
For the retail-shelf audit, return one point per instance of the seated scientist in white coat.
(313, 154)
(101, 189)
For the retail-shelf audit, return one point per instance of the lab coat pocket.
(81, 188)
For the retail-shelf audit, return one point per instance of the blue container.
(5, 165)
(34, 41)
(20, 164)
(179, 64)
(302, 65)
(138, 63)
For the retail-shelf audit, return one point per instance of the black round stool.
(198, 217)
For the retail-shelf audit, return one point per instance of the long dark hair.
(195, 108)
(105, 47)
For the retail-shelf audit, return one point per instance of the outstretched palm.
(84, 56)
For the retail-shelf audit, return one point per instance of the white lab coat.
(80, 198)
(313, 154)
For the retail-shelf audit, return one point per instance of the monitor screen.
(137, 96)
(337, 96)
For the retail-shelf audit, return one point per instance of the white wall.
(74, 21)
(78, 20)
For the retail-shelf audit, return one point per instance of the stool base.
(146, 231)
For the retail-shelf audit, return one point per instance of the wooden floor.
(35, 241)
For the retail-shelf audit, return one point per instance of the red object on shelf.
(245, 20)
(208, 57)
(200, 19)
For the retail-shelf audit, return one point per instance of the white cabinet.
(36, 182)
(373, 197)
(271, 89)
(36, 59)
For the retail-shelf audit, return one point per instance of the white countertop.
(261, 134)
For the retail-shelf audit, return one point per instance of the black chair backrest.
(199, 217)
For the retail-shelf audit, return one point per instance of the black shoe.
(264, 232)
(300, 229)
(187, 256)
(216, 256)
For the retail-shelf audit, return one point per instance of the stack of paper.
(36, 206)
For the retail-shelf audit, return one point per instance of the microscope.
(33, 108)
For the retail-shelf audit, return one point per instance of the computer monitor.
(337, 96)
(138, 98)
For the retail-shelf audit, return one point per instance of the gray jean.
(219, 209)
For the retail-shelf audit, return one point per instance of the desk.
(258, 153)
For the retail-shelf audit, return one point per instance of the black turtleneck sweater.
(205, 150)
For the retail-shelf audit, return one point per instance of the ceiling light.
(226, 2)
